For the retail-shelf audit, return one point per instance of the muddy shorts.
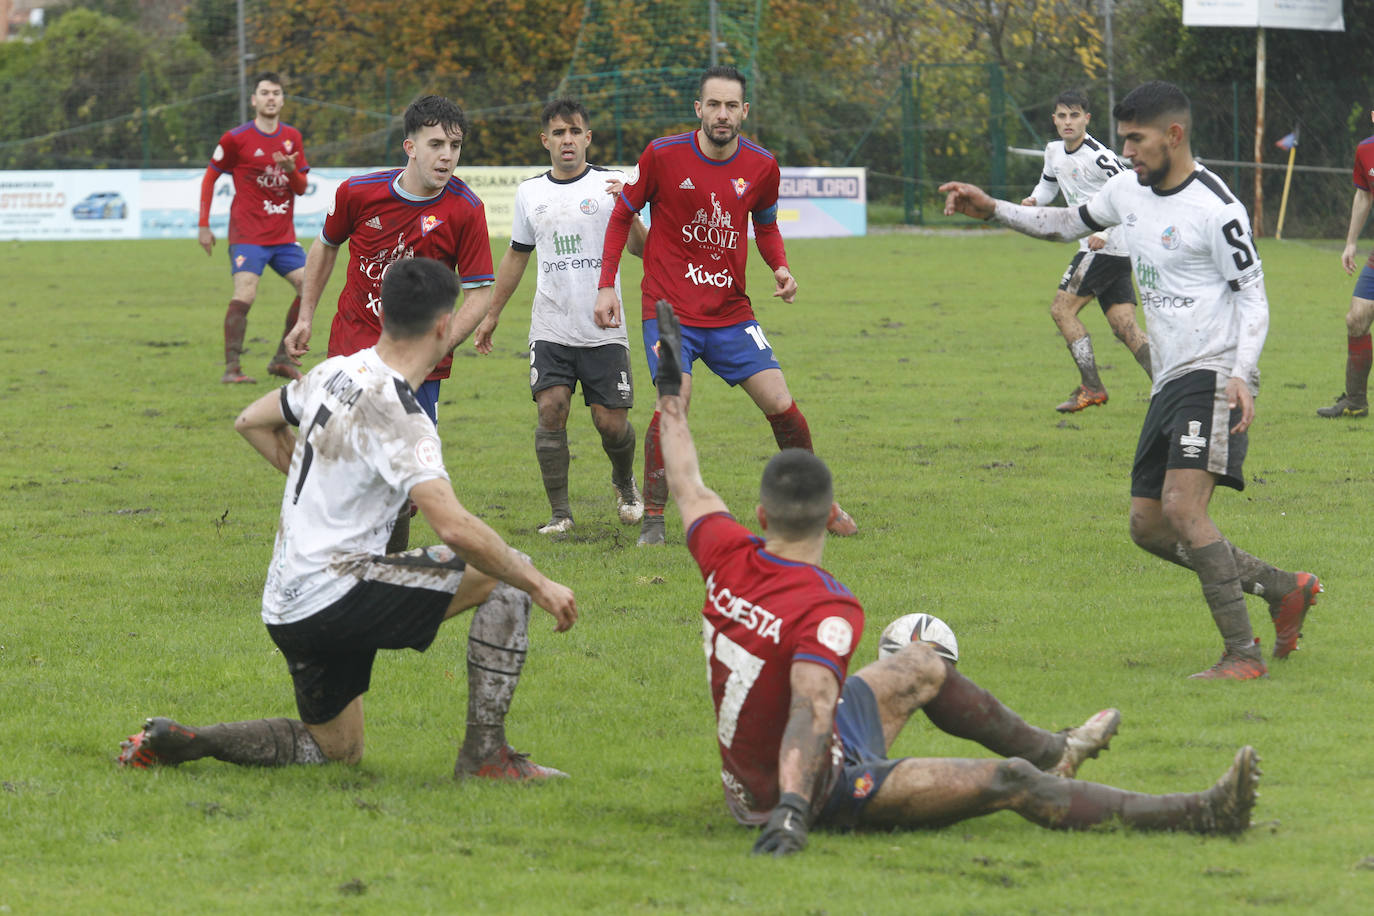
(604, 372)
(399, 602)
(866, 766)
(1189, 425)
(1106, 276)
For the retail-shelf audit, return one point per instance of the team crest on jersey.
(740, 186)
(588, 206)
(428, 223)
(286, 145)
(863, 785)
(1169, 238)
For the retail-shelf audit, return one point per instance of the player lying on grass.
(333, 598)
(1202, 285)
(779, 633)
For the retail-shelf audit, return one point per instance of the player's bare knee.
(553, 416)
(1360, 317)
(1016, 775)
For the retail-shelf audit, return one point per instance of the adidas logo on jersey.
(373, 223)
(687, 185)
(259, 152)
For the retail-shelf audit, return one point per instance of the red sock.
(1359, 356)
(235, 326)
(655, 478)
(790, 429)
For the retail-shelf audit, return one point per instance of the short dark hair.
(415, 292)
(796, 492)
(565, 108)
(1150, 102)
(429, 110)
(1073, 98)
(722, 72)
(267, 76)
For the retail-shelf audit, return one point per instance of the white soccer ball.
(919, 628)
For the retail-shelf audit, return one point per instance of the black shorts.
(398, 603)
(604, 372)
(1189, 425)
(1106, 276)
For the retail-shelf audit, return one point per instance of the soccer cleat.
(1235, 667)
(1292, 611)
(652, 532)
(235, 376)
(1087, 740)
(508, 765)
(283, 369)
(843, 524)
(1228, 803)
(1082, 397)
(557, 526)
(161, 743)
(1345, 406)
(628, 504)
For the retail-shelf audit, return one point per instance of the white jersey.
(1079, 175)
(363, 443)
(564, 221)
(1200, 279)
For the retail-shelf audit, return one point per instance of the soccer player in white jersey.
(562, 216)
(332, 597)
(1200, 280)
(1077, 166)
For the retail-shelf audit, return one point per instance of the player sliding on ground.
(332, 598)
(779, 634)
(1202, 284)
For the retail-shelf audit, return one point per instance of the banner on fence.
(164, 203)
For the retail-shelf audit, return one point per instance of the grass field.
(137, 528)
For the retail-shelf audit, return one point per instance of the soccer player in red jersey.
(421, 210)
(779, 634)
(266, 160)
(1354, 401)
(704, 186)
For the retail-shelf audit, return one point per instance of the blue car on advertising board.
(101, 205)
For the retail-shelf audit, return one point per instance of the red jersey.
(698, 227)
(382, 225)
(762, 613)
(1364, 172)
(261, 213)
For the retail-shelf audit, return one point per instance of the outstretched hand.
(669, 350)
(967, 199)
(785, 832)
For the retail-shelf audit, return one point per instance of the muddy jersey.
(1200, 278)
(699, 227)
(261, 213)
(383, 224)
(1364, 172)
(1078, 175)
(762, 613)
(564, 222)
(362, 444)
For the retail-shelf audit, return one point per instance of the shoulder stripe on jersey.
(1090, 143)
(286, 412)
(751, 145)
(1369, 139)
(407, 396)
(672, 139)
(816, 660)
(241, 128)
(1087, 218)
(693, 526)
(1215, 185)
(457, 187)
(375, 177)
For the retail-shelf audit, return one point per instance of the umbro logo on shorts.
(687, 185)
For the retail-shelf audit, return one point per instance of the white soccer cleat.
(1087, 740)
(628, 504)
(557, 526)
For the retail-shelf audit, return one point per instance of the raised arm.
(803, 753)
(1055, 224)
(694, 499)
